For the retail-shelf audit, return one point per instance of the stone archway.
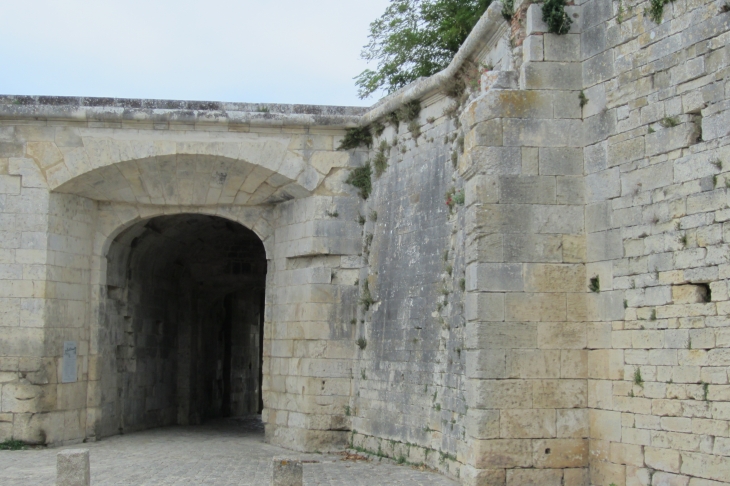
(180, 323)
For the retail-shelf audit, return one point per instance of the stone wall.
(534, 293)
(655, 216)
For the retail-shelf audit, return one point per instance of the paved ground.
(229, 452)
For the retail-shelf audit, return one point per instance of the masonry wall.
(655, 226)
(409, 400)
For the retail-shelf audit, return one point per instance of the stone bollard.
(72, 468)
(286, 472)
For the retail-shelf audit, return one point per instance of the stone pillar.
(72, 468)
(286, 472)
(526, 278)
(308, 340)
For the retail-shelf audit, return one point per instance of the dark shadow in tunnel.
(181, 328)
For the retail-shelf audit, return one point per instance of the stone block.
(494, 277)
(561, 161)
(560, 393)
(558, 219)
(10, 184)
(499, 104)
(534, 477)
(481, 189)
(532, 49)
(535, 307)
(547, 75)
(482, 424)
(626, 151)
(595, 157)
(485, 248)
(531, 132)
(570, 190)
(541, 277)
(598, 68)
(533, 363)
(526, 424)
(705, 466)
(486, 364)
(471, 476)
(500, 394)
(484, 306)
(11, 149)
(494, 160)
(535, 24)
(672, 138)
(562, 47)
(527, 190)
(561, 335)
(574, 363)
(560, 453)
(662, 459)
(605, 425)
(533, 247)
(486, 134)
(501, 335)
(603, 185)
(501, 453)
(73, 468)
(572, 423)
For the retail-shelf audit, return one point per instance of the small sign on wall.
(68, 366)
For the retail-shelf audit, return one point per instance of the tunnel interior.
(181, 331)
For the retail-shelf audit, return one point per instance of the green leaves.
(553, 14)
(415, 38)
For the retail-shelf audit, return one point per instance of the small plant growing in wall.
(415, 128)
(380, 162)
(409, 111)
(356, 137)
(705, 390)
(12, 445)
(508, 9)
(454, 197)
(366, 299)
(655, 11)
(594, 284)
(652, 316)
(669, 121)
(582, 99)
(555, 16)
(377, 128)
(362, 343)
(638, 380)
(717, 163)
(360, 178)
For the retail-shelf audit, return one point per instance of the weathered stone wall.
(655, 227)
(534, 292)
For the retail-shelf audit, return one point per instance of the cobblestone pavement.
(227, 452)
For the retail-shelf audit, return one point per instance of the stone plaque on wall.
(68, 367)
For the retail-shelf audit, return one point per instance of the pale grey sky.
(282, 51)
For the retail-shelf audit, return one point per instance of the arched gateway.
(180, 334)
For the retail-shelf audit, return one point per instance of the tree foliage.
(415, 38)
